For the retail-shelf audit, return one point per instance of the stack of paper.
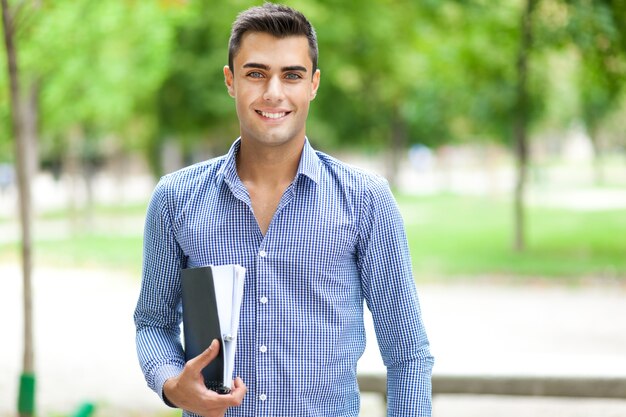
(212, 297)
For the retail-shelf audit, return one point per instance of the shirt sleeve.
(159, 313)
(390, 293)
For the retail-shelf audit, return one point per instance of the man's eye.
(293, 76)
(255, 74)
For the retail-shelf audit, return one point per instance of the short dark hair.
(275, 19)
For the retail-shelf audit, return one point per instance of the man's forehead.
(264, 48)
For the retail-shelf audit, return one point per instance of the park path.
(85, 342)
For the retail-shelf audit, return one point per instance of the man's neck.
(268, 166)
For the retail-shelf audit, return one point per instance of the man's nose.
(273, 90)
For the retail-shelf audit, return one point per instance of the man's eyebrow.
(267, 67)
(255, 65)
(294, 68)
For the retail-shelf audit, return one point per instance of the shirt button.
(262, 254)
(263, 300)
(263, 349)
(262, 397)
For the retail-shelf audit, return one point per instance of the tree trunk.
(398, 145)
(73, 172)
(23, 118)
(598, 169)
(521, 126)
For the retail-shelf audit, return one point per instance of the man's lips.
(273, 115)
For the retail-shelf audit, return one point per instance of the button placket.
(263, 322)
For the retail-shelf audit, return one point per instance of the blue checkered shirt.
(336, 239)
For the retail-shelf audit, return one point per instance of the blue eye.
(255, 74)
(293, 76)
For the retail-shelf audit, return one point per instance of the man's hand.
(187, 390)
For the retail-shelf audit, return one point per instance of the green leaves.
(137, 72)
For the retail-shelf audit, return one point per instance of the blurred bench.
(590, 387)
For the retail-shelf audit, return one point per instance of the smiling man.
(317, 238)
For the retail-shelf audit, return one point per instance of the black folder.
(211, 302)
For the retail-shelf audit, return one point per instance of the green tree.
(99, 82)
(85, 71)
(522, 121)
(431, 72)
(193, 108)
(373, 64)
(597, 29)
(23, 124)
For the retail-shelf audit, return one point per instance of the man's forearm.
(160, 355)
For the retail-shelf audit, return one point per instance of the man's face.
(273, 84)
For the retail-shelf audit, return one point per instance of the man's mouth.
(272, 115)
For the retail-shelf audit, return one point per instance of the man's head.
(276, 20)
(272, 75)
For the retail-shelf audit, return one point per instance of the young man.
(316, 236)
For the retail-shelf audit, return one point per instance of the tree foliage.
(134, 75)
(596, 31)
(98, 66)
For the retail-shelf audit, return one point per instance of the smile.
(272, 115)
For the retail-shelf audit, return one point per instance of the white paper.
(228, 281)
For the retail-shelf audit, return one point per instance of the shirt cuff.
(163, 374)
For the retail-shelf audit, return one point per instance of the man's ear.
(228, 80)
(315, 83)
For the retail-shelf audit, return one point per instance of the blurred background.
(500, 125)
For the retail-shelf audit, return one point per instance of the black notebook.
(212, 298)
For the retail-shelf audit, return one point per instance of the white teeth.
(273, 115)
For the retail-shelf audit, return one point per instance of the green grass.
(85, 251)
(465, 236)
(103, 247)
(134, 209)
(449, 236)
(94, 250)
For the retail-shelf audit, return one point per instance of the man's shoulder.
(349, 174)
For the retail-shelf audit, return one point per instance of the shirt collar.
(228, 170)
(309, 164)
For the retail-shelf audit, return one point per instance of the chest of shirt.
(314, 232)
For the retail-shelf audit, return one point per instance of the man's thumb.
(206, 357)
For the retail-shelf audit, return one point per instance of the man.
(316, 236)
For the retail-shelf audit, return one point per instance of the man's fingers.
(199, 362)
(238, 391)
(238, 383)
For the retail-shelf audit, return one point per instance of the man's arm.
(158, 316)
(389, 290)
(158, 313)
